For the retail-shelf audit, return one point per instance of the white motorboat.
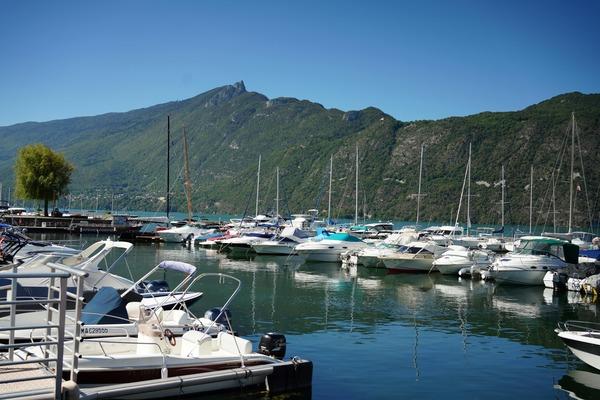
(583, 339)
(414, 257)
(109, 313)
(88, 260)
(157, 354)
(530, 262)
(469, 242)
(94, 261)
(243, 244)
(329, 247)
(458, 257)
(371, 256)
(376, 230)
(442, 235)
(182, 233)
(16, 247)
(284, 244)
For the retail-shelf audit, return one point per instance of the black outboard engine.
(272, 344)
(224, 319)
(157, 286)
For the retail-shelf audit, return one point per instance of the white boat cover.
(178, 266)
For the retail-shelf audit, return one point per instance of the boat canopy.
(178, 266)
(106, 307)
(290, 231)
(538, 245)
(543, 240)
(342, 236)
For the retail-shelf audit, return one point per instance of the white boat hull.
(451, 268)
(370, 261)
(412, 263)
(586, 348)
(327, 251)
(273, 249)
(517, 276)
(319, 256)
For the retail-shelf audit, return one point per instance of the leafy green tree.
(41, 174)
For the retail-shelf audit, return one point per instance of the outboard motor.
(157, 286)
(224, 319)
(272, 344)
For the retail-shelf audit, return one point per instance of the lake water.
(376, 335)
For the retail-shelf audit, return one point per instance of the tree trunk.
(45, 207)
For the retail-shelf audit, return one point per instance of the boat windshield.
(414, 250)
(534, 247)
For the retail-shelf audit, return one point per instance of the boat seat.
(137, 312)
(133, 310)
(176, 317)
(231, 344)
(195, 343)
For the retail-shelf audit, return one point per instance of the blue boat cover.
(590, 253)
(106, 307)
(345, 237)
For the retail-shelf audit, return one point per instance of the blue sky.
(414, 60)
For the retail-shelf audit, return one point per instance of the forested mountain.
(228, 127)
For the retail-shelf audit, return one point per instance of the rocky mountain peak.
(225, 94)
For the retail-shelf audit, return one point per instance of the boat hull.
(274, 250)
(516, 276)
(587, 349)
(319, 255)
(452, 269)
(325, 251)
(409, 264)
(370, 261)
(277, 378)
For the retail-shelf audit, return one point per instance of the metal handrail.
(57, 295)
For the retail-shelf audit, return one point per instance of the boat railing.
(223, 310)
(52, 359)
(100, 341)
(580, 326)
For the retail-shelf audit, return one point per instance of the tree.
(41, 174)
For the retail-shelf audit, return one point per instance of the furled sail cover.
(178, 266)
(106, 307)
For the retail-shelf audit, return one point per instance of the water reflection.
(580, 384)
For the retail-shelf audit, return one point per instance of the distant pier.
(71, 224)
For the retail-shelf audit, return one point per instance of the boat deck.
(24, 373)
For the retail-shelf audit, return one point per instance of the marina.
(293, 201)
(423, 331)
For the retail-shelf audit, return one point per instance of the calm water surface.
(375, 335)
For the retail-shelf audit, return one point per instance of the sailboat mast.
(502, 208)
(531, 200)
(258, 183)
(356, 200)
(462, 192)
(419, 190)
(330, 178)
(571, 177)
(277, 196)
(168, 161)
(187, 184)
(469, 192)
(554, 202)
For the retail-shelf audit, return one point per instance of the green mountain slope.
(228, 127)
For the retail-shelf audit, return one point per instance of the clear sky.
(414, 60)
